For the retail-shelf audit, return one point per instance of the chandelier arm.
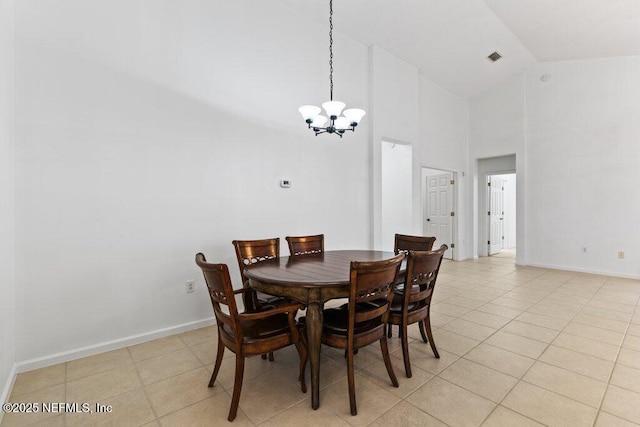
(320, 131)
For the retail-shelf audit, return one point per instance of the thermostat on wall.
(285, 183)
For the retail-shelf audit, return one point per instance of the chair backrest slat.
(305, 245)
(405, 243)
(221, 293)
(421, 274)
(252, 251)
(424, 295)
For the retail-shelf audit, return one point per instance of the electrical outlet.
(190, 286)
(621, 254)
(584, 249)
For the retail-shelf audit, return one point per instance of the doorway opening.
(438, 211)
(396, 191)
(501, 193)
(489, 230)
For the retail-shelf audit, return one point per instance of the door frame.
(507, 163)
(454, 206)
(483, 207)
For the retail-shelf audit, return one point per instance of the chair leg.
(389, 327)
(304, 356)
(424, 336)
(216, 369)
(427, 326)
(263, 356)
(271, 356)
(352, 383)
(237, 387)
(355, 351)
(405, 350)
(387, 361)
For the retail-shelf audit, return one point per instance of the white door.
(439, 212)
(496, 214)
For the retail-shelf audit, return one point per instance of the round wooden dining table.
(312, 280)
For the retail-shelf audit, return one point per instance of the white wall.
(497, 120)
(443, 144)
(7, 203)
(496, 129)
(577, 143)
(394, 117)
(147, 132)
(583, 152)
(409, 108)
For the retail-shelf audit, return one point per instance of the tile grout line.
(481, 342)
(535, 360)
(598, 409)
(144, 390)
(521, 379)
(614, 366)
(548, 345)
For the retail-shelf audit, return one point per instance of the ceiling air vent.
(494, 56)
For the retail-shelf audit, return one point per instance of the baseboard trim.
(6, 390)
(65, 356)
(583, 270)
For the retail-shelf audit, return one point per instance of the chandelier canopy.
(337, 124)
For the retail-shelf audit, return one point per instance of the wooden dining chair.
(305, 245)
(413, 305)
(250, 252)
(248, 333)
(405, 243)
(362, 322)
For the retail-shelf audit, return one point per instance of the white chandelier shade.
(318, 121)
(354, 115)
(309, 111)
(333, 108)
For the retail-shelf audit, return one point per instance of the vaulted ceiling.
(449, 40)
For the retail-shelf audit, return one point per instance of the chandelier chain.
(331, 47)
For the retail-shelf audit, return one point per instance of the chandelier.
(338, 124)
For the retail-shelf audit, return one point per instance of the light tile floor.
(519, 346)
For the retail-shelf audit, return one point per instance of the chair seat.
(336, 321)
(361, 306)
(400, 280)
(263, 328)
(266, 299)
(396, 304)
(399, 290)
